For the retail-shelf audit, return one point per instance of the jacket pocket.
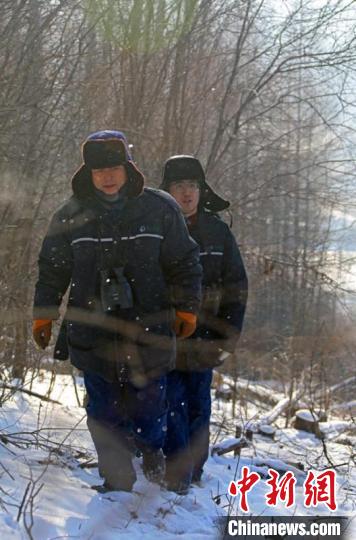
(81, 336)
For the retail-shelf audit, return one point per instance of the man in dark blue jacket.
(134, 278)
(219, 322)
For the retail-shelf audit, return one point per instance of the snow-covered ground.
(44, 488)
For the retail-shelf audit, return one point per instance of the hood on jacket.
(104, 149)
(184, 167)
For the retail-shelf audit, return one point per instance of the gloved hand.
(41, 331)
(185, 324)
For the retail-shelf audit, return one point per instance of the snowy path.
(67, 507)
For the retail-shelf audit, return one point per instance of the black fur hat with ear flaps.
(184, 167)
(105, 149)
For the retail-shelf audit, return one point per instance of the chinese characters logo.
(317, 488)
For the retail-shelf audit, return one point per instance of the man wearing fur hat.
(134, 278)
(219, 322)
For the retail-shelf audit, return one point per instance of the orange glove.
(41, 331)
(185, 324)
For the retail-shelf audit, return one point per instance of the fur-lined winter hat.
(105, 149)
(183, 167)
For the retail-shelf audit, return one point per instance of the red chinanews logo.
(318, 488)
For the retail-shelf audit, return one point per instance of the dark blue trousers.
(121, 418)
(189, 410)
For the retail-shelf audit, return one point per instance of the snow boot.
(179, 472)
(106, 487)
(153, 465)
(180, 487)
(196, 477)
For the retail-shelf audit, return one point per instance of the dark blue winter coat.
(149, 239)
(224, 293)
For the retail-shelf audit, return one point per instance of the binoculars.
(115, 290)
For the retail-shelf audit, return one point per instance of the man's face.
(110, 180)
(187, 195)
